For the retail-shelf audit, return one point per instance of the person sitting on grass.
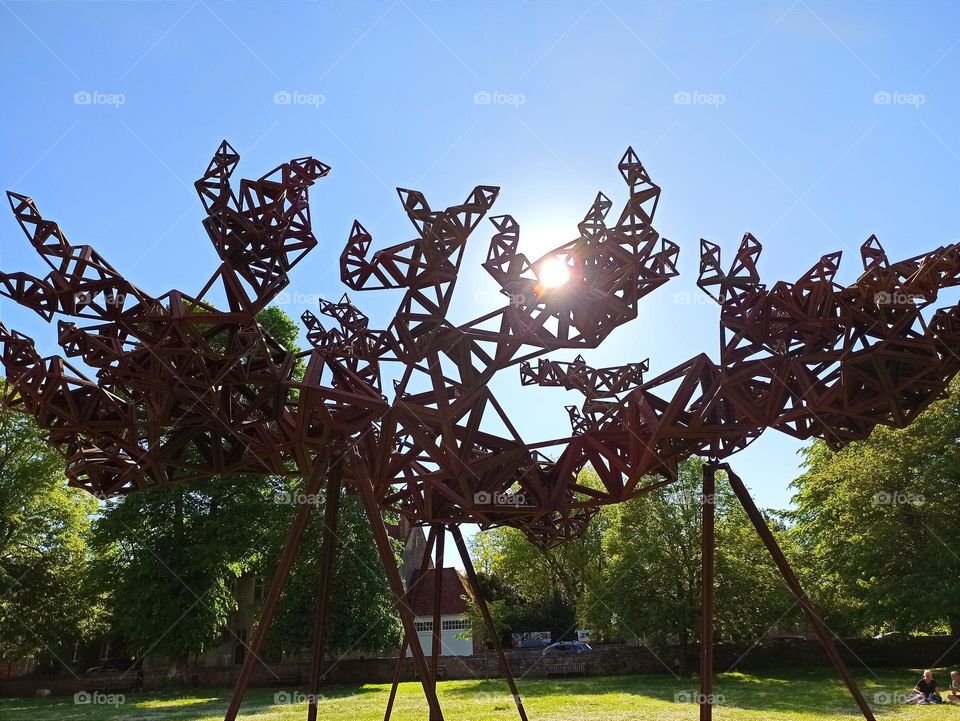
(954, 691)
(926, 690)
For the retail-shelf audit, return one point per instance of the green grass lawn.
(778, 696)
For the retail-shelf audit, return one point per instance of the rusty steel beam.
(793, 583)
(487, 619)
(708, 567)
(424, 565)
(272, 601)
(396, 585)
(437, 600)
(326, 572)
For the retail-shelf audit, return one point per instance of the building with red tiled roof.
(454, 616)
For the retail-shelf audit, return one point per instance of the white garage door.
(450, 628)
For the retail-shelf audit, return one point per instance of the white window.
(424, 626)
(457, 624)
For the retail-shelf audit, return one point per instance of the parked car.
(534, 643)
(113, 676)
(566, 658)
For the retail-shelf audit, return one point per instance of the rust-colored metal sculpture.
(184, 390)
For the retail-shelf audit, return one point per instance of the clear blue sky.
(810, 124)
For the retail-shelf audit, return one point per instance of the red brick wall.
(605, 661)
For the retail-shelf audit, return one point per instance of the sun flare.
(554, 273)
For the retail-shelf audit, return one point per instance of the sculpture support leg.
(396, 680)
(272, 600)
(365, 486)
(487, 618)
(424, 565)
(823, 633)
(437, 599)
(707, 552)
(328, 555)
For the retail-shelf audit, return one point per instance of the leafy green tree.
(533, 587)
(45, 605)
(514, 613)
(362, 613)
(170, 558)
(651, 582)
(536, 572)
(879, 525)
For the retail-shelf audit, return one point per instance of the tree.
(362, 611)
(650, 586)
(533, 587)
(514, 613)
(45, 605)
(170, 558)
(879, 525)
